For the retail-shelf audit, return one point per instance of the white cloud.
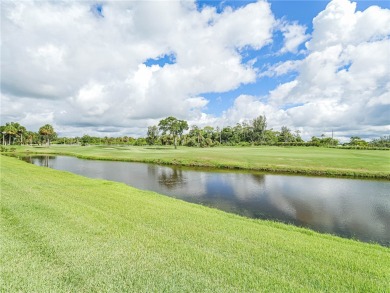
(92, 64)
(280, 95)
(294, 35)
(340, 23)
(343, 83)
(257, 32)
(91, 100)
(246, 108)
(61, 63)
(282, 68)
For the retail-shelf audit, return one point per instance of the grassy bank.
(299, 160)
(64, 233)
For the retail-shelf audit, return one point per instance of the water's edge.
(332, 173)
(351, 208)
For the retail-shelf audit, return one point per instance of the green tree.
(226, 135)
(140, 141)
(208, 131)
(383, 141)
(259, 125)
(246, 132)
(10, 130)
(285, 135)
(20, 131)
(47, 131)
(196, 133)
(32, 137)
(357, 141)
(297, 136)
(152, 135)
(237, 134)
(271, 136)
(174, 126)
(217, 135)
(315, 141)
(86, 139)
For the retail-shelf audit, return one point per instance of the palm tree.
(20, 131)
(47, 131)
(11, 130)
(31, 136)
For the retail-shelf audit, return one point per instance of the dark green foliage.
(173, 133)
(47, 132)
(152, 135)
(174, 127)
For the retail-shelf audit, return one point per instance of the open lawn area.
(65, 233)
(302, 160)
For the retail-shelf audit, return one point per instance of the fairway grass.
(61, 232)
(293, 160)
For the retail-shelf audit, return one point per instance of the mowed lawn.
(304, 160)
(65, 233)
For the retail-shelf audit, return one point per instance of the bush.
(3, 149)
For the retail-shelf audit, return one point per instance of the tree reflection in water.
(259, 178)
(41, 160)
(170, 178)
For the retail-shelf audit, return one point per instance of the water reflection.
(44, 160)
(349, 208)
(168, 177)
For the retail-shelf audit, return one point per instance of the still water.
(349, 208)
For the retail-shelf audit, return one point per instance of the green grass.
(65, 233)
(300, 160)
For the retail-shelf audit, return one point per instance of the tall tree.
(10, 130)
(174, 126)
(3, 133)
(209, 131)
(357, 141)
(20, 131)
(152, 135)
(285, 135)
(197, 134)
(47, 131)
(30, 136)
(259, 126)
(227, 134)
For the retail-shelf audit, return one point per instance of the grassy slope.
(62, 232)
(306, 160)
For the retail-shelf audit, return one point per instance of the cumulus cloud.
(82, 66)
(343, 82)
(294, 35)
(92, 61)
(281, 68)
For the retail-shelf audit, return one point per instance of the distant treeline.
(170, 131)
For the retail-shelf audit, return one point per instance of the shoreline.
(333, 173)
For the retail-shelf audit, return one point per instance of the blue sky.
(90, 66)
(302, 12)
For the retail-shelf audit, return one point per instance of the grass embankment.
(65, 233)
(299, 160)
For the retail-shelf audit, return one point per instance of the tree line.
(175, 132)
(255, 132)
(15, 134)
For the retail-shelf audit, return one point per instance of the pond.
(349, 208)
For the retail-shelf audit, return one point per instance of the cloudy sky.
(113, 68)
